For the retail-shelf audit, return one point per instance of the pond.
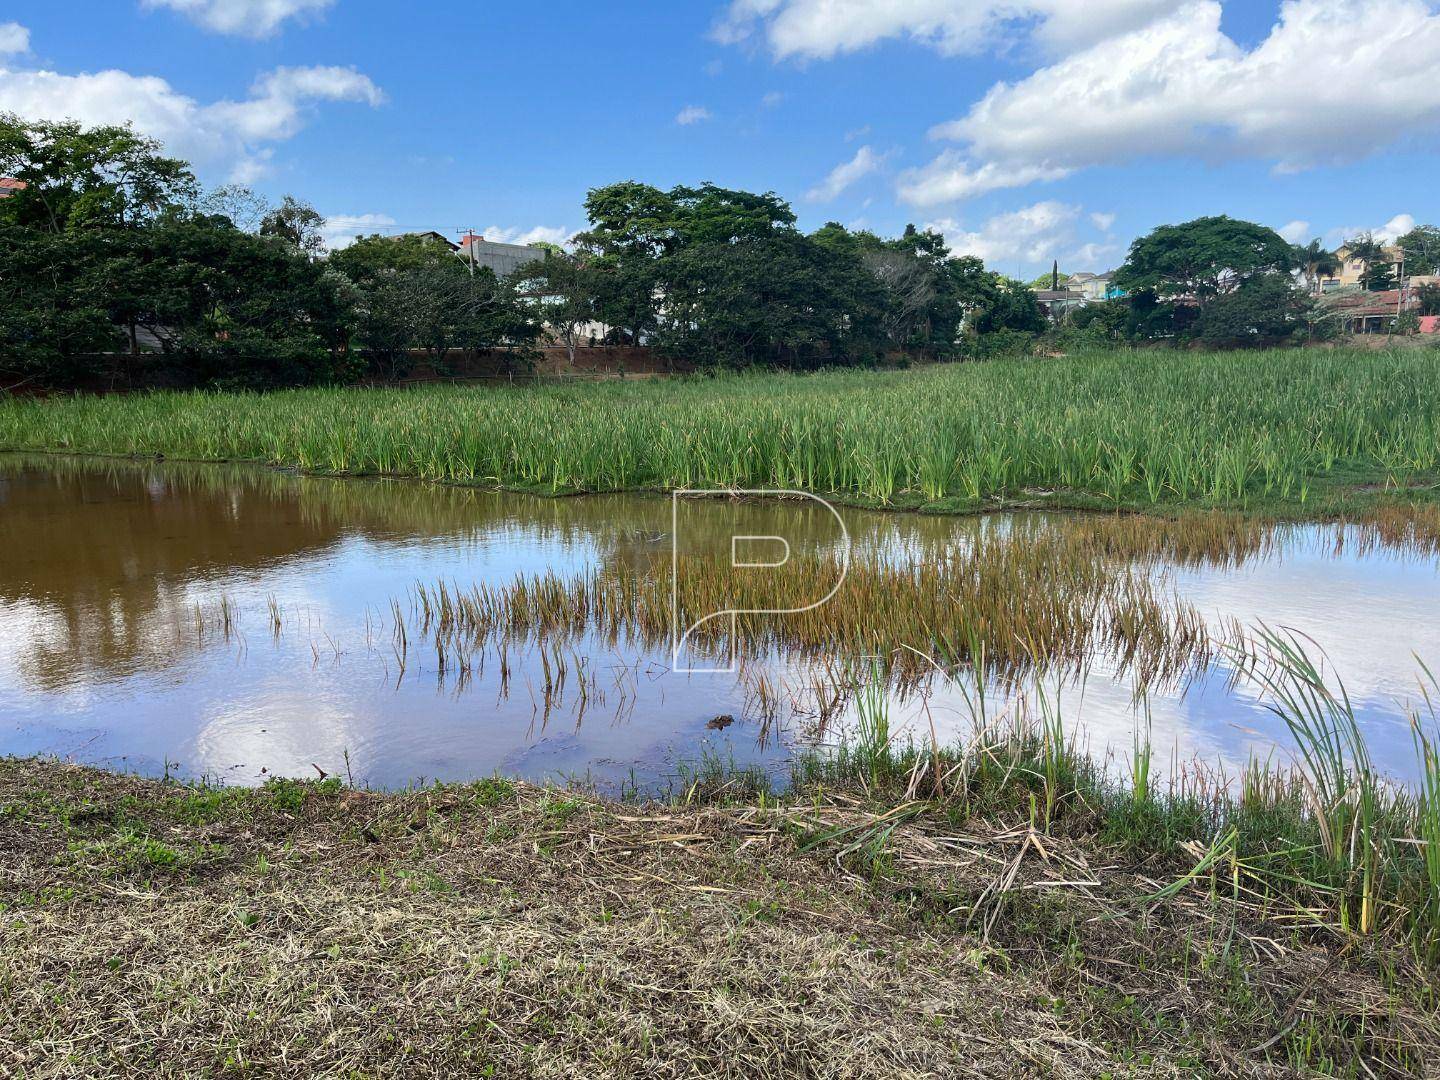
(236, 622)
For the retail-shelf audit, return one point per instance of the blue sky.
(1025, 129)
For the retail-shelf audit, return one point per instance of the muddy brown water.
(136, 632)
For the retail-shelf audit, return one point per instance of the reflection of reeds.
(1032, 595)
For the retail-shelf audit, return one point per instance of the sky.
(1024, 130)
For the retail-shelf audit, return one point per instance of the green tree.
(781, 299)
(1202, 259)
(1316, 264)
(87, 178)
(298, 224)
(1011, 306)
(1263, 311)
(1421, 246)
(562, 289)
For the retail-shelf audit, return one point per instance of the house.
(1094, 287)
(9, 186)
(503, 259)
(1056, 303)
(1352, 270)
(1362, 312)
(433, 237)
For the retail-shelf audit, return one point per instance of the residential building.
(1057, 302)
(1094, 287)
(1352, 270)
(503, 259)
(9, 186)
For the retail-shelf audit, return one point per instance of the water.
(103, 659)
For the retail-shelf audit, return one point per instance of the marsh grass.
(1129, 428)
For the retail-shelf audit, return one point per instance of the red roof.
(9, 185)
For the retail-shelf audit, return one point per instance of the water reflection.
(113, 573)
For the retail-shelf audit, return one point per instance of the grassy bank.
(499, 930)
(1000, 909)
(1299, 431)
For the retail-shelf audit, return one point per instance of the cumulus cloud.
(821, 29)
(1333, 81)
(340, 230)
(693, 114)
(1102, 221)
(246, 18)
(950, 178)
(549, 234)
(1032, 234)
(1094, 257)
(1296, 232)
(230, 135)
(1388, 233)
(844, 175)
(14, 39)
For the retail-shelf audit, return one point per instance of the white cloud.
(340, 230)
(246, 18)
(1388, 233)
(772, 99)
(1094, 257)
(549, 234)
(227, 135)
(693, 114)
(1102, 221)
(1033, 234)
(1333, 81)
(821, 29)
(847, 173)
(950, 178)
(1296, 232)
(14, 39)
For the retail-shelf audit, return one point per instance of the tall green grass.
(1128, 427)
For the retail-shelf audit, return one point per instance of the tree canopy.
(1203, 259)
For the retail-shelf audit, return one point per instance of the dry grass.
(499, 930)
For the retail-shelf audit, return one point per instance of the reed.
(1132, 428)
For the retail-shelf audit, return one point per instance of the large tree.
(87, 178)
(1203, 259)
(781, 299)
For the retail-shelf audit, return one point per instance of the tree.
(371, 257)
(1263, 311)
(1315, 264)
(87, 178)
(562, 289)
(1428, 299)
(297, 223)
(1421, 248)
(1012, 306)
(1202, 259)
(782, 299)
(228, 308)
